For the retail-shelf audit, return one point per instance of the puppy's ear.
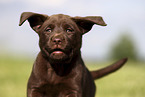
(35, 20)
(86, 23)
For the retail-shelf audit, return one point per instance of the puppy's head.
(60, 36)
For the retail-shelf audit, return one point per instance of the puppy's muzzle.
(57, 39)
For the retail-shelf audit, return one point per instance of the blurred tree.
(125, 47)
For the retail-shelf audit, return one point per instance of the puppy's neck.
(62, 68)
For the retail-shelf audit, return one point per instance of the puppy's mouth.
(57, 52)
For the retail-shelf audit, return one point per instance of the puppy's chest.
(54, 79)
(58, 85)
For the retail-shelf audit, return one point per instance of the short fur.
(59, 70)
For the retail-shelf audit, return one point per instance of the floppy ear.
(35, 20)
(86, 23)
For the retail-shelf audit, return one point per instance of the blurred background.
(124, 36)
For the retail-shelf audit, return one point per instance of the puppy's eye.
(69, 30)
(49, 30)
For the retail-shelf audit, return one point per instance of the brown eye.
(49, 30)
(69, 30)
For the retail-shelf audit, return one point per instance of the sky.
(121, 17)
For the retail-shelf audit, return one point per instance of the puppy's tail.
(109, 69)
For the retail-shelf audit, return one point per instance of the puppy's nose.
(57, 40)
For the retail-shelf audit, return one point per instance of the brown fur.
(59, 70)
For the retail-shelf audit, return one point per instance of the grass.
(13, 77)
(127, 82)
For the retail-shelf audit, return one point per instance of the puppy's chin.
(59, 57)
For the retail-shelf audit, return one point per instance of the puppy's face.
(60, 38)
(60, 35)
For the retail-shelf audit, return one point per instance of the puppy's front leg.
(34, 93)
(73, 94)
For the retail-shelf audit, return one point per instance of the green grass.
(129, 81)
(13, 77)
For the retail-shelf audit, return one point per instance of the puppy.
(59, 70)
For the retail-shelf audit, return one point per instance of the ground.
(129, 81)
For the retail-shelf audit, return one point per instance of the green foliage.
(125, 47)
(127, 82)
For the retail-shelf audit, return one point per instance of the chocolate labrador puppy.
(59, 70)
